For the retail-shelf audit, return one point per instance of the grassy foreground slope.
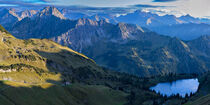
(34, 72)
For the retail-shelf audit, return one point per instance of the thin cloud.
(163, 0)
(25, 2)
(146, 6)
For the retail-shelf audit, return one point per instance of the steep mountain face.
(83, 34)
(48, 27)
(27, 13)
(50, 22)
(87, 32)
(51, 11)
(8, 17)
(103, 16)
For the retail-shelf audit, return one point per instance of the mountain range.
(183, 27)
(123, 47)
(120, 61)
(148, 19)
(10, 16)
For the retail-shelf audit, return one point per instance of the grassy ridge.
(2, 29)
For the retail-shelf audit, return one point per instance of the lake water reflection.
(181, 87)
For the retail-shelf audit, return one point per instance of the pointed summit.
(51, 11)
(129, 31)
(27, 13)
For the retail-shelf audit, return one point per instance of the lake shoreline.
(181, 87)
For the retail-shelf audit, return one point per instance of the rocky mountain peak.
(51, 11)
(187, 16)
(9, 11)
(28, 13)
(84, 21)
(8, 17)
(131, 27)
(129, 31)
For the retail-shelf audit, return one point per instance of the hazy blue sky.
(197, 8)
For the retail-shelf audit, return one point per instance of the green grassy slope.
(32, 72)
(2, 29)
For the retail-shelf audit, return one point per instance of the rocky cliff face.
(87, 32)
(49, 23)
(27, 13)
(8, 17)
(51, 11)
(75, 34)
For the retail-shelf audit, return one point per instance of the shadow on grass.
(81, 82)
